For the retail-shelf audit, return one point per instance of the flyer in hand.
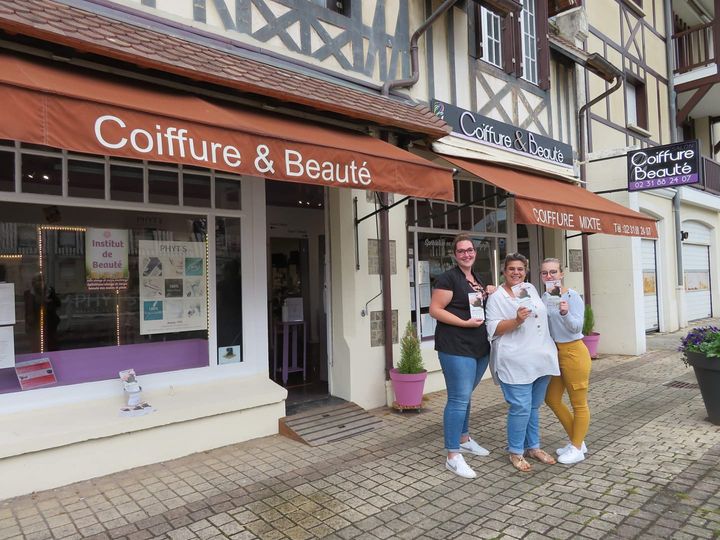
(554, 290)
(476, 305)
(522, 295)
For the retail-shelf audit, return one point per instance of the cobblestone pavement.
(652, 472)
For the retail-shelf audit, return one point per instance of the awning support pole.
(609, 191)
(382, 207)
(357, 237)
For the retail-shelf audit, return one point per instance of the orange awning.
(64, 107)
(560, 205)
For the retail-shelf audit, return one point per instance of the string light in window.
(13, 256)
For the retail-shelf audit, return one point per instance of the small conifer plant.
(410, 355)
(589, 322)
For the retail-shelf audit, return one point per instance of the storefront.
(133, 235)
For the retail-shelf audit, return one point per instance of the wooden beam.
(683, 113)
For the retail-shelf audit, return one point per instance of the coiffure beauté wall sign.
(671, 165)
(482, 129)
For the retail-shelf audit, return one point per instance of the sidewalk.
(652, 472)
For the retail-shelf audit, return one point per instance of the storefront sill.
(44, 429)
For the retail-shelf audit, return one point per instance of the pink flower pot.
(408, 388)
(591, 342)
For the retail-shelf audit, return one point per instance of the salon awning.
(61, 106)
(560, 205)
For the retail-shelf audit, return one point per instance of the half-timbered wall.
(370, 42)
(632, 39)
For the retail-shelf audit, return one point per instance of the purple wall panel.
(102, 363)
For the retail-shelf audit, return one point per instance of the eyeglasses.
(468, 251)
(549, 272)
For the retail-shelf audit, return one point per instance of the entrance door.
(649, 271)
(296, 284)
(696, 267)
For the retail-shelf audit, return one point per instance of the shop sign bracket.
(357, 221)
(609, 191)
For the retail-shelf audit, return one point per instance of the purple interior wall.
(102, 363)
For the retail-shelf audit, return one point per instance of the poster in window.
(7, 347)
(649, 283)
(172, 287)
(697, 281)
(106, 259)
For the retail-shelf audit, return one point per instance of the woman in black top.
(462, 344)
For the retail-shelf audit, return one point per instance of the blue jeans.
(462, 375)
(523, 420)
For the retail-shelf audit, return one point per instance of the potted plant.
(408, 378)
(590, 338)
(700, 349)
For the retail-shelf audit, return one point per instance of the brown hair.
(515, 257)
(462, 237)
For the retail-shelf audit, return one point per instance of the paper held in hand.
(522, 295)
(554, 290)
(476, 306)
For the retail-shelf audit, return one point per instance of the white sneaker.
(471, 447)
(459, 467)
(561, 451)
(570, 456)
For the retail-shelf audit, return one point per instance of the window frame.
(636, 95)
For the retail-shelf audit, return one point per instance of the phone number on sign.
(664, 182)
(635, 230)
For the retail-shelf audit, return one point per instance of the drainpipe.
(672, 111)
(406, 83)
(582, 156)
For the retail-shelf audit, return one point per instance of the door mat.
(328, 424)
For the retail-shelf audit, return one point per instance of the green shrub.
(589, 322)
(410, 355)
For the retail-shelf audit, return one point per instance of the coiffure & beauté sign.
(671, 165)
(482, 129)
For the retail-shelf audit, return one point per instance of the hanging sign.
(665, 166)
(106, 259)
(172, 287)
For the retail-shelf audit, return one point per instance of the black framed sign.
(670, 165)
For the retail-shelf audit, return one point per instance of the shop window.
(229, 290)
(86, 179)
(126, 183)
(41, 174)
(196, 190)
(163, 187)
(227, 194)
(7, 171)
(480, 211)
(97, 292)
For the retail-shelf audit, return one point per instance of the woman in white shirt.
(523, 356)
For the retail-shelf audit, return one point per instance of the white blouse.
(526, 353)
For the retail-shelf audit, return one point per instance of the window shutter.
(558, 6)
(475, 38)
(541, 18)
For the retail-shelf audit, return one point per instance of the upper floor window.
(529, 41)
(636, 102)
(512, 35)
(491, 37)
(338, 6)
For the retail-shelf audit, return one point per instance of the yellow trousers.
(575, 365)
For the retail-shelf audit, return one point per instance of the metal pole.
(582, 156)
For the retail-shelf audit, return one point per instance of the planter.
(591, 342)
(408, 388)
(707, 373)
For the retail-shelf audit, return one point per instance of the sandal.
(541, 455)
(520, 463)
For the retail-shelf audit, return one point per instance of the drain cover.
(681, 384)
